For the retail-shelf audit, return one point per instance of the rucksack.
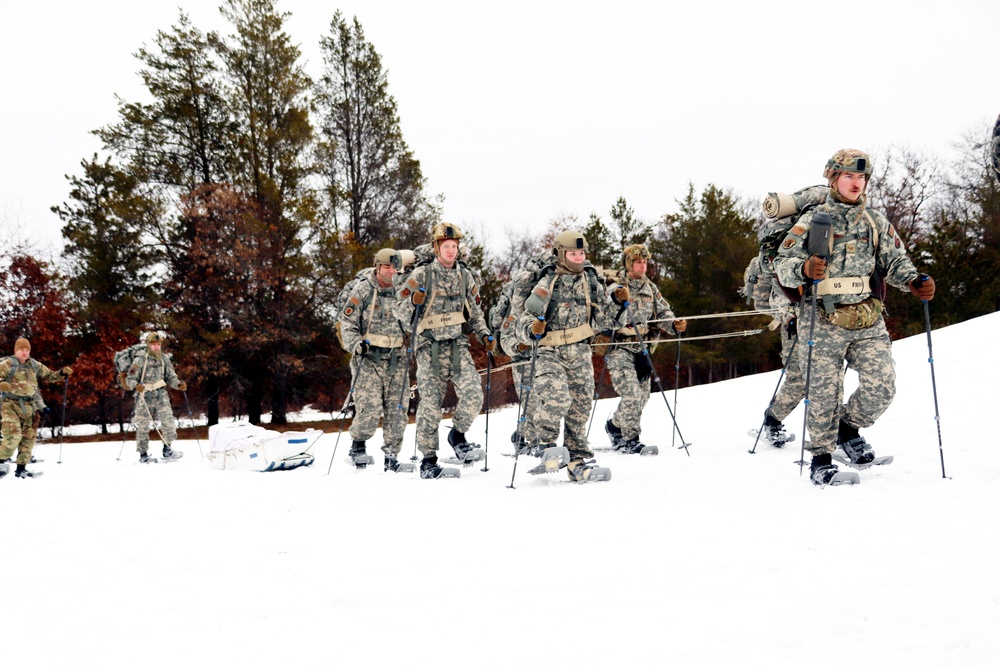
(345, 293)
(424, 255)
(15, 364)
(781, 212)
(124, 359)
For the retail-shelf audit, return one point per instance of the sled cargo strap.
(456, 356)
(567, 336)
(844, 285)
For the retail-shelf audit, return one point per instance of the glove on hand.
(182, 386)
(5, 387)
(66, 371)
(601, 344)
(361, 349)
(538, 327)
(792, 328)
(680, 326)
(139, 388)
(621, 294)
(418, 297)
(643, 367)
(922, 287)
(814, 268)
(489, 343)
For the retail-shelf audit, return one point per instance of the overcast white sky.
(522, 111)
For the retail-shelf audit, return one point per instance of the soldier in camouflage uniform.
(559, 318)
(149, 376)
(628, 366)
(448, 298)
(18, 388)
(372, 333)
(864, 249)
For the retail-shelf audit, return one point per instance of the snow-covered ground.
(718, 558)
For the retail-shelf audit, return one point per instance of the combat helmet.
(388, 256)
(445, 231)
(569, 240)
(849, 160)
(632, 253)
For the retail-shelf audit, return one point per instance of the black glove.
(792, 328)
(643, 367)
(361, 349)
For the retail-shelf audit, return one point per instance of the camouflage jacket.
(563, 298)
(854, 249)
(646, 303)
(370, 310)
(24, 381)
(452, 300)
(148, 369)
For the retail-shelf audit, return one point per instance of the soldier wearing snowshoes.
(18, 388)
(436, 302)
(149, 376)
(565, 308)
(374, 336)
(863, 252)
(626, 362)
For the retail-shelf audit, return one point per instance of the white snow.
(717, 558)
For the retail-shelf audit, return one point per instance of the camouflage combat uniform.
(563, 387)
(442, 348)
(646, 304)
(155, 372)
(19, 410)
(849, 327)
(381, 373)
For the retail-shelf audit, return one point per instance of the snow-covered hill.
(718, 558)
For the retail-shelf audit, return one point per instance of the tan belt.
(844, 285)
(440, 320)
(567, 336)
(159, 384)
(630, 331)
(380, 340)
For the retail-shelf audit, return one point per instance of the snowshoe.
(877, 461)
(24, 473)
(858, 451)
(587, 471)
(4, 469)
(466, 452)
(553, 458)
(822, 472)
(429, 469)
(171, 454)
(774, 439)
(392, 464)
(144, 457)
(359, 456)
(34, 460)
(636, 447)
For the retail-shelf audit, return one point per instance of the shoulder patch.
(892, 230)
(788, 243)
(354, 301)
(405, 293)
(798, 230)
(348, 310)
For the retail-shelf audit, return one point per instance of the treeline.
(230, 207)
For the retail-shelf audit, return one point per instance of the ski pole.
(677, 381)
(343, 411)
(781, 376)
(193, 426)
(410, 347)
(486, 442)
(62, 427)
(522, 411)
(817, 244)
(656, 376)
(930, 360)
(121, 424)
(597, 395)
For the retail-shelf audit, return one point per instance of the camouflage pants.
(432, 382)
(866, 351)
(634, 394)
(793, 386)
(376, 396)
(18, 430)
(563, 391)
(150, 405)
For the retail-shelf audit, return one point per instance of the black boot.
(821, 470)
(359, 454)
(856, 448)
(24, 473)
(429, 468)
(463, 448)
(144, 457)
(774, 430)
(614, 433)
(391, 464)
